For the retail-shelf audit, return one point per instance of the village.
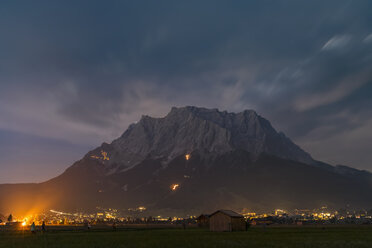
(220, 220)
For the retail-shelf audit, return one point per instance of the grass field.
(307, 236)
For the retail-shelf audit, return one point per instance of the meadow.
(306, 236)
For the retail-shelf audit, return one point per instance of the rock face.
(189, 129)
(196, 160)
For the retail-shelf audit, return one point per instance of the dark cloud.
(81, 71)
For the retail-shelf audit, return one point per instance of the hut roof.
(203, 215)
(228, 213)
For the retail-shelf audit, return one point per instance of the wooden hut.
(226, 221)
(203, 221)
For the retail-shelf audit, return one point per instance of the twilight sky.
(76, 73)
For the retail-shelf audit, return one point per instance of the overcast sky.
(74, 74)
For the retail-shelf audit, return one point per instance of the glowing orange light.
(187, 156)
(104, 154)
(24, 223)
(174, 186)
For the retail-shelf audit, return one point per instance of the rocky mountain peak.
(216, 158)
(214, 115)
(208, 131)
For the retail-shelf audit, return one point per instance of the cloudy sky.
(74, 74)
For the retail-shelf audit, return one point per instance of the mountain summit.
(196, 160)
(207, 131)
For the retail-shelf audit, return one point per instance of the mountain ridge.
(218, 160)
(185, 129)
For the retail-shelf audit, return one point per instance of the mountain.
(195, 160)
(189, 129)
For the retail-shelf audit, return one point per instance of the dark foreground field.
(342, 236)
